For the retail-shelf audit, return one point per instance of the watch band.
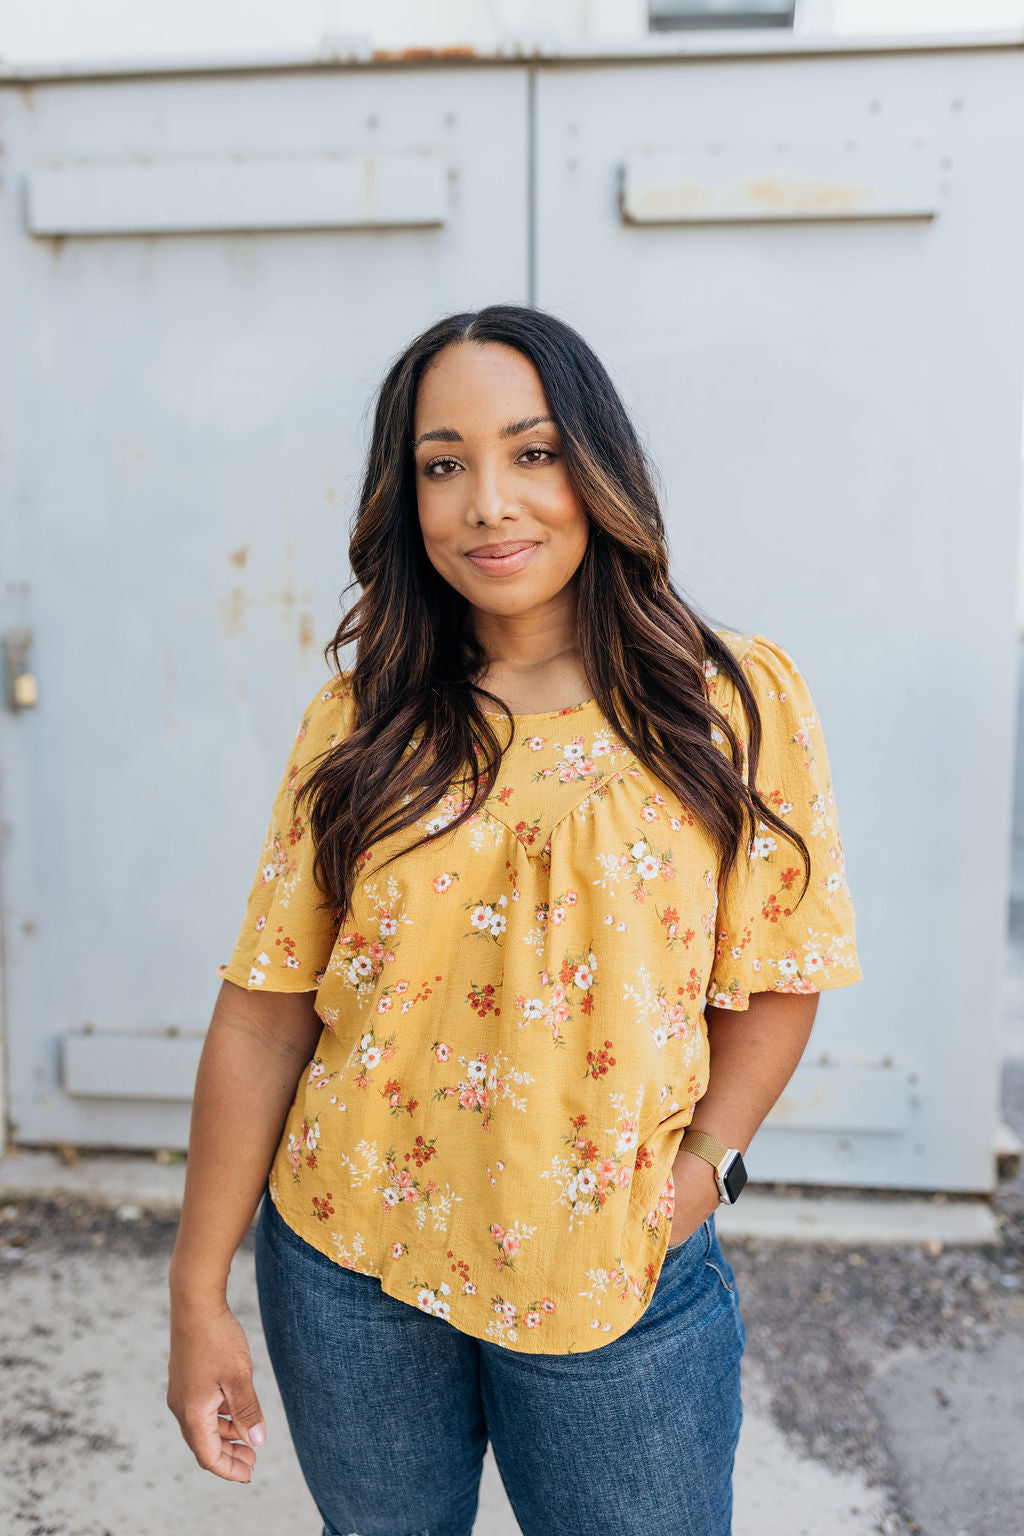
(730, 1170)
(708, 1147)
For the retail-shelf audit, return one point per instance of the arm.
(754, 1054)
(256, 1048)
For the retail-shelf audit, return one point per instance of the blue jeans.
(391, 1409)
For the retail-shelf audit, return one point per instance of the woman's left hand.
(696, 1195)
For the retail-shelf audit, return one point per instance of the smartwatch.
(730, 1173)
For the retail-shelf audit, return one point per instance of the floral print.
(513, 1018)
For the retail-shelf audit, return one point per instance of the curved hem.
(595, 1338)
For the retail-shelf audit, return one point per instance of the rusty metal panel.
(237, 192)
(745, 184)
(183, 427)
(834, 406)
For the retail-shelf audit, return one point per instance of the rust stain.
(305, 631)
(783, 194)
(232, 612)
(779, 195)
(239, 556)
(235, 606)
(424, 55)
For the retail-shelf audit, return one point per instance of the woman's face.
(491, 479)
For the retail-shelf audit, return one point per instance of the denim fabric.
(391, 1409)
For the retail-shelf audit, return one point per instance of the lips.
(502, 559)
(490, 551)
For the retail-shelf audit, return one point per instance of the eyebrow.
(511, 429)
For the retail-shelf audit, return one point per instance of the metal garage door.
(806, 271)
(203, 280)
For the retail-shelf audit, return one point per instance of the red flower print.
(323, 1209)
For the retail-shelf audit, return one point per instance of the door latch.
(22, 692)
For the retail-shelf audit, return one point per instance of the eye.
(545, 453)
(428, 469)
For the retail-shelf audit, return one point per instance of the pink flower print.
(261, 922)
(627, 1135)
(584, 977)
(396, 1251)
(557, 916)
(571, 898)
(442, 1051)
(497, 1231)
(467, 1097)
(511, 1243)
(559, 1010)
(566, 773)
(443, 882)
(623, 1176)
(547, 1305)
(532, 1319)
(536, 743)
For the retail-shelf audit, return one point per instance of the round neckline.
(543, 714)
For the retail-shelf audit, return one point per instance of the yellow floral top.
(513, 1033)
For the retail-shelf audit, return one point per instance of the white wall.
(83, 30)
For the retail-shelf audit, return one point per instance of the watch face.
(734, 1178)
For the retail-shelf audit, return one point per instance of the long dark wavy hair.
(418, 659)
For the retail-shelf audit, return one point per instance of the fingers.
(209, 1439)
(242, 1404)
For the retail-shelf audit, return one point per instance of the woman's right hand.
(210, 1390)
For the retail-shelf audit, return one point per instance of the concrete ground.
(883, 1378)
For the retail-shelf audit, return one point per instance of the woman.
(491, 970)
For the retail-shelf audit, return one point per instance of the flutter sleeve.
(768, 940)
(287, 937)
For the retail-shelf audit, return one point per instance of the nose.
(491, 498)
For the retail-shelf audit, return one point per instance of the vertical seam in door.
(531, 185)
